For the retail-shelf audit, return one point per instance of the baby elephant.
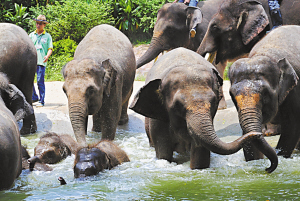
(94, 159)
(53, 148)
(38, 166)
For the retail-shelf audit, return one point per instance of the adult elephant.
(266, 84)
(10, 142)
(180, 99)
(18, 60)
(99, 82)
(240, 24)
(173, 25)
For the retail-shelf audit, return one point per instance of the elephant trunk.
(202, 131)
(155, 48)
(78, 116)
(32, 162)
(251, 121)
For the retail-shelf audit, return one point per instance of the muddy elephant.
(240, 24)
(266, 84)
(173, 25)
(93, 159)
(10, 142)
(38, 166)
(52, 148)
(180, 99)
(99, 82)
(18, 60)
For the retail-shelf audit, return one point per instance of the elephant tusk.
(210, 56)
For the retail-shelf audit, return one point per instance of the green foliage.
(18, 16)
(64, 47)
(73, 18)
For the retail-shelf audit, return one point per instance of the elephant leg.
(160, 135)
(200, 157)
(289, 138)
(29, 125)
(147, 129)
(124, 115)
(96, 122)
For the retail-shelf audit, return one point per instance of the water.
(146, 178)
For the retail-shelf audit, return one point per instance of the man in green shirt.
(43, 44)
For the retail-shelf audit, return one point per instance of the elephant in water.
(10, 142)
(52, 148)
(93, 159)
(266, 84)
(99, 82)
(18, 60)
(180, 99)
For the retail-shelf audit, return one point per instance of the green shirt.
(42, 43)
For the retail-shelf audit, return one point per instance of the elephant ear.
(148, 102)
(288, 79)
(16, 102)
(194, 17)
(109, 77)
(252, 21)
(219, 83)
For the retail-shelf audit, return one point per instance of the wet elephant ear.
(148, 102)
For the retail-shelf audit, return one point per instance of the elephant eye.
(90, 91)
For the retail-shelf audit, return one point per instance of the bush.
(72, 18)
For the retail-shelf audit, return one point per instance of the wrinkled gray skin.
(10, 142)
(180, 99)
(52, 148)
(240, 24)
(38, 166)
(18, 60)
(173, 24)
(172, 30)
(266, 84)
(94, 159)
(99, 82)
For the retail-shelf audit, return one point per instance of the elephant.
(10, 142)
(18, 60)
(240, 24)
(179, 100)
(173, 24)
(265, 85)
(38, 166)
(99, 82)
(52, 148)
(95, 158)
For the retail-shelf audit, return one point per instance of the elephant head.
(90, 161)
(258, 87)
(172, 29)
(50, 149)
(86, 83)
(234, 30)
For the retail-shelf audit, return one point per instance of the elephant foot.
(222, 104)
(271, 129)
(123, 120)
(28, 130)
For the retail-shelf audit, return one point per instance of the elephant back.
(179, 57)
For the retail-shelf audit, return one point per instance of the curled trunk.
(155, 48)
(251, 121)
(32, 161)
(202, 131)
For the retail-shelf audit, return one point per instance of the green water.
(146, 178)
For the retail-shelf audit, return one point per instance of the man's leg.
(41, 83)
(35, 97)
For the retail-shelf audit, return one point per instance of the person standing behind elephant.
(275, 13)
(43, 44)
